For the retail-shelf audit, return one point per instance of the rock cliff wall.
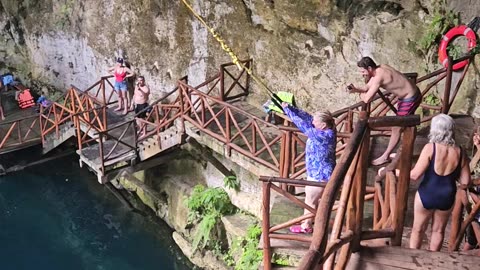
(308, 47)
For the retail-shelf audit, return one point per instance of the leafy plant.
(455, 51)
(206, 206)
(232, 182)
(429, 99)
(251, 256)
(442, 19)
(432, 99)
(280, 261)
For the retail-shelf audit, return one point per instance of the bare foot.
(380, 161)
(118, 109)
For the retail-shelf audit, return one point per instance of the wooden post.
(267, 252)
(228, 130)
(40, 123)
(222, 83)
(448, 86)
(355, 204)
(377, 209)
(403, 184)
(361, 180)
(456, 221)
(288, 139)
(102, 88)
(342, 208)
(182, 105)
(100, 142)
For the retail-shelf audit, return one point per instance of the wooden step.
(372, 258)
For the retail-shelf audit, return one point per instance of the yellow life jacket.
(25, 99)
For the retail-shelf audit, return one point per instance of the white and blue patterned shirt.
(320, 149)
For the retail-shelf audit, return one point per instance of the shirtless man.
(140, 101)
(394, 82)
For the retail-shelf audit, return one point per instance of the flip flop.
(299, 229)
(381, 162)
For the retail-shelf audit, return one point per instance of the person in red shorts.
(394, 82)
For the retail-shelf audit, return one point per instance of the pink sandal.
(299, 229)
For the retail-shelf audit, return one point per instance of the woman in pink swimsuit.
(121, 74)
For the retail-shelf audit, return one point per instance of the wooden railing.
(460, 222)
(237, 129)
(159, 117)
(349, 177)
(346, 117)
(17, 132)
(86, 109)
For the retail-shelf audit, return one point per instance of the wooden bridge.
(215, 115)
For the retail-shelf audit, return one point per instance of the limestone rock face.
(307, 47)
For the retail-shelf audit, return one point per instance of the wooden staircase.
(53, 140)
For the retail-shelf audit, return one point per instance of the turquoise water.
(56, 216)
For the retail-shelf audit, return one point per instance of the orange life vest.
(25, 99)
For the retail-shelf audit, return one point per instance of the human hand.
(380, 171)
(476, 140)
(284, 104)
(350, 87)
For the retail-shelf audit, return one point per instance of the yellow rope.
(227, 49)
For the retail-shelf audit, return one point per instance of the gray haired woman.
(441, 163)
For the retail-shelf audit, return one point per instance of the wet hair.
(120, 60)
(325, 117)
(441, 130)
(366, 62)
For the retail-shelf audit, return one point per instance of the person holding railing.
(441, 163)
(319, 154)
(394, 82)
(121, 74)
(474, 197)
(140, 102)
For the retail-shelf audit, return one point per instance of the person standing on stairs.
(474, 196)
(121, 74)
(140, 103)
(320, 157)
(441, 163)
(394, 82)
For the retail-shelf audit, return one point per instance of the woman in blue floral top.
(319, 154)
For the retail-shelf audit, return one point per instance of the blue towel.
(7, 79)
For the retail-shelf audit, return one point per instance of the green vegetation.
(280, 261)
(251, 256)
(442, 21)
(206, 206)
(232, 182)
(430, 99)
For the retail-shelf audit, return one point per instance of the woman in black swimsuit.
(441, 163)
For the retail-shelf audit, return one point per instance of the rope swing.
(275, 99)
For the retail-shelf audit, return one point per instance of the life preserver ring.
(461, 30)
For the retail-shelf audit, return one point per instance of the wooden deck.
(22, 125)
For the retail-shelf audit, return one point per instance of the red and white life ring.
(461, 30)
